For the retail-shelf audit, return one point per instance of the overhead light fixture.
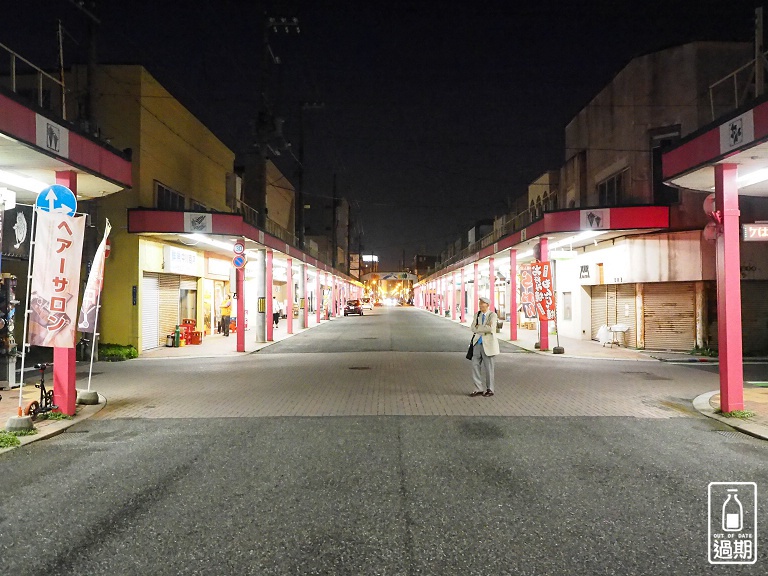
(18, 181)
(203, 239)
(752, 178)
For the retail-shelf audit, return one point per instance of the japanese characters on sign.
(526, 295)
(87, 321)
(55, 279)
(543, 293)
(757, 232)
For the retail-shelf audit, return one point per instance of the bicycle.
(46, 396)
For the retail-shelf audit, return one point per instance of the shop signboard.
(543, 293)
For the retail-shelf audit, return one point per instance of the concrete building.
(626, 248)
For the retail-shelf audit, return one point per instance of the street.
(353, 448)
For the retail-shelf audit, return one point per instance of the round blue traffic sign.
(57, 198)
(239, 260)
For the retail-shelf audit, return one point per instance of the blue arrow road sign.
(57, 198)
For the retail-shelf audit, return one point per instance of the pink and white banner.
(55, 279)
(88, 310)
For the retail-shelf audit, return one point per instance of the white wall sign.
(179, 261)
(198, 222)
(51, 136)
(737, 132)
(595, 219)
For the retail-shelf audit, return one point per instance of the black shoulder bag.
(471, 349)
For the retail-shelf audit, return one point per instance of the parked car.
(367, 304)
(353, 307)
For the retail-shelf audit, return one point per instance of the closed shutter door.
(150, 311)
(754, 316)
(188, 283)
(169, 304)
(669, 316)
(599, 310)
(625, 311)
(610, 304)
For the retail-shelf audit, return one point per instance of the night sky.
(435, 114)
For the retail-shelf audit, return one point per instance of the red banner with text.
(543, 293)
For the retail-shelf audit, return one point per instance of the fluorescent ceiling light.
(586, 235)
(752, 178)
(209, 241)
(17, 181)
(525, 254)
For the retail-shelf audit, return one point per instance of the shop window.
(663, 194)
(167, 199)
(613, 191)
(567, 310)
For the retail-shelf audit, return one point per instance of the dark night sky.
(435, 114)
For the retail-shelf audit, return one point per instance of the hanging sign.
(55, 279)
(543, 294)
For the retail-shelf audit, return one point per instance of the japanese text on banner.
(55, 279)
(543, 292)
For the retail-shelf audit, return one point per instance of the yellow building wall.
(280, 198)
(169, 146)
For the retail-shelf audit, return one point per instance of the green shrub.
(8, 440)
(117, 352)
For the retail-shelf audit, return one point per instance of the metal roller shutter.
(188, 283)
(754, 316)
(169, 305)
(599, 309)
(150, 311)
(669, 316)
(625, 311)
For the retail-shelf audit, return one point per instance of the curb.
(702, 405)
(55, 427)
(686, 360)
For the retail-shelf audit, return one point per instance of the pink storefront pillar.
(492, 283)
(65, 359)
(729, 289)
(442, 296)
(289, 311)
(240, 330)
(318, 296)
(270, 323)
(463, 298)
(513, 294)
(476, 291)
(305, 296)
(544, 324)
(453, 297)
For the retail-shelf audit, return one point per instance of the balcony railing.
(732, 91)
(45, 85)
(511, 223)
(251, 216)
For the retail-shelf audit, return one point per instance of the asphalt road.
(378, 494)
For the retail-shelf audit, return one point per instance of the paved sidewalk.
(217, 346)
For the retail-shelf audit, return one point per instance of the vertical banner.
(543, 294)
(55, 279)
(87, 320)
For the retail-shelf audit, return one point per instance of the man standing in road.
(226, 312)
(485, 348)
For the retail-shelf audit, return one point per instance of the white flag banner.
(87, 321)
(55, 279)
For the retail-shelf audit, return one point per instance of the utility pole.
(759, 57)
(299, 211)
(334, 225)
(267, 131)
